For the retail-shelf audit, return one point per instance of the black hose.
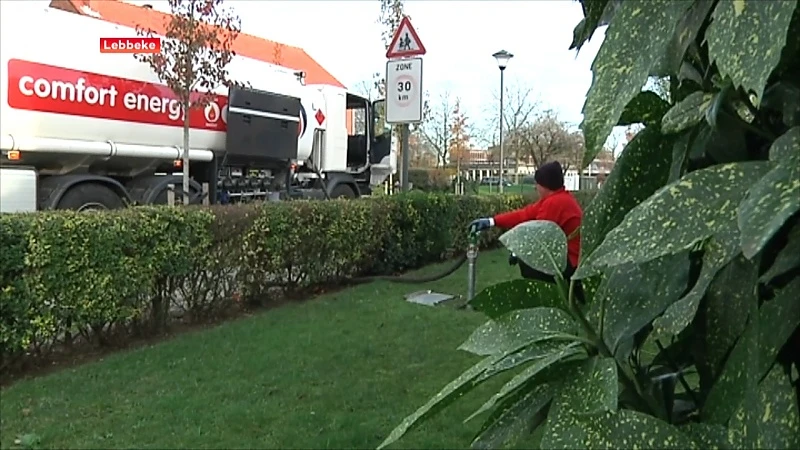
(413, 280)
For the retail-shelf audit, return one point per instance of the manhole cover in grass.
(428, 298)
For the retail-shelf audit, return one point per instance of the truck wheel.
(161, 198)
(342, 191)
(90, 196)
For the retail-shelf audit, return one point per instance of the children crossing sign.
(405, 42)
(404, 76)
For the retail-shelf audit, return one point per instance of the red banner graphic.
(41, 87)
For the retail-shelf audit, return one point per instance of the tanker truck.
(81, 129)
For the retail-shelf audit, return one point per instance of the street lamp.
(502, 58)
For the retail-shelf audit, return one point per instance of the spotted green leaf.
(680, 154)
(564, 354)
(700, 205)
(635, 294)
(687, 113)
(739, 376)
(454, 390)
(788, 61)
(501, 298)
(526, 405)
(726, 309)
(513, 417)
(754, 353)
(782, 313)
(541, 244)
(635, 40)
(784, 97)
(518, 328)
(642, 169)
(709, 435)
(775, 197)
(680, 314)
(646, 107)
(591, 389)
(540, 382)
(788, 258)
(744, 39)
(725, 142)
(685, 33)
(593, 13)
(770, 417)
(531, 352)
(614, 430)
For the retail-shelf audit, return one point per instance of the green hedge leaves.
(105, 277)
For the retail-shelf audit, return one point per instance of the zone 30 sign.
(404, 91)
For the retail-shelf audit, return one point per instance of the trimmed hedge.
(114, 275)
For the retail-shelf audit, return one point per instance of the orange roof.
(248, 45)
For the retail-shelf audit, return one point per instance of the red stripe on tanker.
(46, 88)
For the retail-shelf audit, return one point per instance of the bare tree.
(660, 86)
(392, 13)
(614, 141)
(194, 56)
(436, 126)
(546, 139)
(519, 111)
(574, 156)
(421, 153)
(367, 89)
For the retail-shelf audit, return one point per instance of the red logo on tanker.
(212, 112)
(45, 88)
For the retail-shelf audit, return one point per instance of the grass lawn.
(336, 372)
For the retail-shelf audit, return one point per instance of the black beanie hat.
(550, 176)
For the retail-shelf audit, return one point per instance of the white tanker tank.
(70, 111)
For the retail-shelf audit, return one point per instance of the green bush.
(66, 274)
(690, 252)
(107, 276)
(430, 180)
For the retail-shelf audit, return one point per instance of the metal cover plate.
(428, 298)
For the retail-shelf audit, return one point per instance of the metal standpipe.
(472, 258)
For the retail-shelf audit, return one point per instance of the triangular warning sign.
(405, 42)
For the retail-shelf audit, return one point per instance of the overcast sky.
(459, 35)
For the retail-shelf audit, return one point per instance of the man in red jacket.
(555, 204)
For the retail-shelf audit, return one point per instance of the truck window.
(359, 117)
(379, 125)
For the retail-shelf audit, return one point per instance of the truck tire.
(161, 198)
(90, 196)
(342, 191)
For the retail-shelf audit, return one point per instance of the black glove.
(512, 260)
(481, 224)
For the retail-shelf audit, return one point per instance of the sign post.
(404, 86)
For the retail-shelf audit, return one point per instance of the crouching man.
(555, 204)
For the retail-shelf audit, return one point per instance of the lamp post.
(502, 58)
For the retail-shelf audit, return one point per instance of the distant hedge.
(106, 277)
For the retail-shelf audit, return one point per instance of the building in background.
(481, 164)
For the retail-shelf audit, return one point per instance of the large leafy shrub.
(690, 251)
